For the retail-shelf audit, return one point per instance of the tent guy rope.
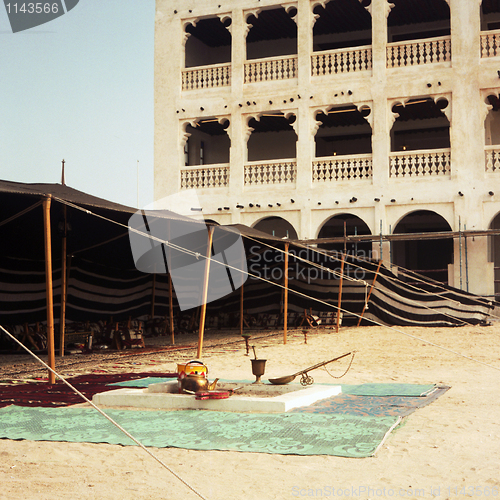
(116, 424)
(190, 252)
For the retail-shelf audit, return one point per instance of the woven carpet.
(348, 425)
(363, 399)
(406, 390)
(349, 404)
(287, 433)
(59, 394)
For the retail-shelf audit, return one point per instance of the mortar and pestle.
(258, 367)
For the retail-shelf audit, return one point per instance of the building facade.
(317, 119)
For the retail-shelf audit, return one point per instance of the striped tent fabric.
(103, 281)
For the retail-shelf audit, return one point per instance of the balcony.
(340, 61)
(343, 168)
(419, 52)
(205, 177)
(270, 172)
(492, 156)
(412, 164)
(269, 69)
(206, 77)
(490, 43)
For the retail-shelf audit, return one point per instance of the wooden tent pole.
(205, 292)
(153, 292)
(171, 309)
(62, 320)
(369, 293)
(340, 292)
(48, 288)
(170, 298)
(285, 295)
(241, 309)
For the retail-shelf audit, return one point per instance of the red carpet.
(59, 394)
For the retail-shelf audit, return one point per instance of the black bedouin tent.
(103, 280)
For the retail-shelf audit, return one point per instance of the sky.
(80, 88)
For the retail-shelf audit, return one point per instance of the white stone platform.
(167, 399)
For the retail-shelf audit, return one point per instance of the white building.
(311, 118)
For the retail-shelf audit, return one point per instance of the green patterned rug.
(287, 433)
(406, 390)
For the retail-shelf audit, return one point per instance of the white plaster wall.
(465, 82)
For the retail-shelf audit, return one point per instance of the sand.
(448, 449)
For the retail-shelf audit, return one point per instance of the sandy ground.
(448, 449)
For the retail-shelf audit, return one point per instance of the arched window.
(209, 42)
(429, 257)
(276, 226)
(273, 25)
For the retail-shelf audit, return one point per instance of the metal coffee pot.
(195, 383)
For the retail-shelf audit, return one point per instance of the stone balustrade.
(342, 168)
(492, 154)
(270, 172)
(332, 62)
(419, 52)
(269, 69)
(422, 163)
(206, 77)
(337, 61)
(205, 176)
(490, 43)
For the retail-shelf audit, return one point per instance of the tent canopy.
(103, 280)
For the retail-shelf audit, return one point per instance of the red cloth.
(59, 394)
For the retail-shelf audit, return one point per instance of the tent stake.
(340, 292)
(369, 293)
(49, 291)
(205, 292)
(285, 295)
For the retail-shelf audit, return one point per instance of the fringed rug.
(286, 433)
(353, 424)
(59, 394)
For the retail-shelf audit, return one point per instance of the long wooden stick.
(369, 293)
(285, 295)
(340, 292)
(241, 309)
(62, 320)
(205, 292)
(153, 293)
(170, 297)
(48, 289)
(171, 309)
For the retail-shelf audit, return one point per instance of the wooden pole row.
(205, 292)
(340, 292)
(48, 288)
(369, 293)
(285, 295)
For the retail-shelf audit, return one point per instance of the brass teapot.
(195, 383)
(192, 377)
